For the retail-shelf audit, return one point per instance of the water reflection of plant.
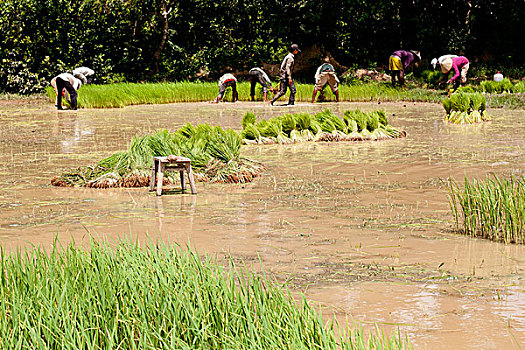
(493, 208)
(156, 297)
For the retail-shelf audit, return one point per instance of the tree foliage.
(137, 40)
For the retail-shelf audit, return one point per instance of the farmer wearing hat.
(257, 75)
(399, 61)
(85, 74)
(460, 65)
(286, 75)
(226, 81)
(65, 84)
(326, 75)
(436, 62)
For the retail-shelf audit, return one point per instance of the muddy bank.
(363, 228)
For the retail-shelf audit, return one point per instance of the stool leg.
(153, 175)
(182, 184)
(160, 176)
(192, 180)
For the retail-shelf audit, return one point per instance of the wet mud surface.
(363, 229)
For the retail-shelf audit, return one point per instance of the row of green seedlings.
(493, 208)
(323, 126)
(157, 296)
(466, 108)
(214, 153)
(496, 87)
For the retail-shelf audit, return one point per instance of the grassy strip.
(125, 94)
(155, 297)
(493, 208)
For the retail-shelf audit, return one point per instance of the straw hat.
(446, 65)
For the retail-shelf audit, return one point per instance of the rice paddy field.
(334, 242)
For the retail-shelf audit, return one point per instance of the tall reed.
(154, 297)
(493, 208)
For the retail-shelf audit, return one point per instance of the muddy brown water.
(363, 229)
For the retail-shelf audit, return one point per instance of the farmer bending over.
(326, 75)
(460, 65)
(257, 75)
(286, 75)
(69, 83)
(226, 81)
(85, 74)
(399, 61)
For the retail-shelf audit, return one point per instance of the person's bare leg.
(313, 95)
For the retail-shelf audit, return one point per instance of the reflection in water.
(364, 227)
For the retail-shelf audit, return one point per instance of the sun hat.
(417, 53)
(446, 65)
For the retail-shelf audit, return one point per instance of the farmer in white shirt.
(70, 84)
(226, 81)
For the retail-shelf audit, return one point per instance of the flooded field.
(363, 229)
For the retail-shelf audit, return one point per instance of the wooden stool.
(160, 164)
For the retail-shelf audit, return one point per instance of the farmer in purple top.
(460, 65)
(399, 61)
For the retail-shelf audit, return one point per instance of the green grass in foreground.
(155, 297)
(493, 208)
(125, 94)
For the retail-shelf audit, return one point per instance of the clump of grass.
(214, 153)
(493, 208)
(155, 297)
(466, 108)
(323, 126)
(497, 87)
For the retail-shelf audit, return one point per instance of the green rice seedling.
(328, 126)
(269, 129)
(519, 87)
(460, 102)
(492, 208)
(249, 118)
(288, 123)
(497, 86)
(361, 118)
(352, 126)
(225, 146)
(382, 117)
(476, 101)
(447, 105)
(372, 122)
(315, 126)
(250, 132)
(303, 121)
(188, 130)
(157, 295)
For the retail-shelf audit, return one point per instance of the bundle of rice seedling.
(382, 117)
(463, 108)
(372, 122)
(315, 126)
(359, 117)
(303, 121)
(249, 118)
(270, 128)
(497, 87)
(327, 115)
(328, 126)
(250, 132)
(288, 123)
